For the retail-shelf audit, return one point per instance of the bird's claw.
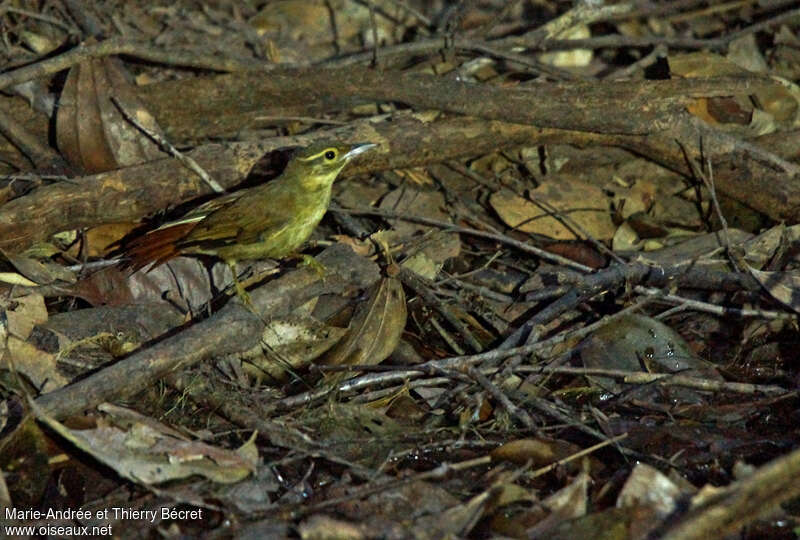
(315, 265)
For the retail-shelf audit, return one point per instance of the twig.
(659, 51)
(392, 375)
(42, 157)
(374, 27)
(688, 303)
(486, 28)
(583, 13)
(438, 473)
(532, 40)
(574, 227)
(415, 12)
(449, 227)
(207, 337)
(187, 161)
(144, 51)
(304, 119)
(419, 286)
(577, 455)
(549, 409)
(535, 65)
(517, 412)
(446, 336)
(667, 379)
(740, 503)
(33, 15)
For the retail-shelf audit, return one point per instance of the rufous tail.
(156, 247)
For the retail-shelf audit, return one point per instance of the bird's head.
(317, 165)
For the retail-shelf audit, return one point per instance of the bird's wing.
(201, 212)
(165, 242)
(235, 220)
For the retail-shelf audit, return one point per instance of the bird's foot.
(241, 292)
(243, 295)
(315, 265)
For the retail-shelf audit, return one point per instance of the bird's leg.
(240, 290)
(311, 262)
(243, 294)
(314, 264)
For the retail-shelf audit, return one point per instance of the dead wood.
(407, 141)
(501, 158)
(232, 329)
(131, 193)
(227, 103)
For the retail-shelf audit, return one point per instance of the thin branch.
(449, 227)
(667, 379)
(143, 51)
(187, 161)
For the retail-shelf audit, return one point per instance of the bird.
(268, 221)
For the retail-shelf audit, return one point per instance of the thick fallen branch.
(228, 103)
(406, 141)
(232, 329)
(129, 194)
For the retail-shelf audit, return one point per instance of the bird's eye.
(330, 154)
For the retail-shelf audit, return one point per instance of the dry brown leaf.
(626, 239)
(184, 281)
(417, 175)
(647, 486)
(565, 505)
(293, 342)
(375, 329)
(321, 526)
(353, 194)
(431, 253)
(538, 450)
(13, 278)
(313, 23)
(779, 106)
(23, 313)
(38, 366)
(422, 265)
(585, 204)
(100, 240)
(363, 248)
(575, 58)
(406, 200)
(632, 198)
(636, 343)
(91, 132)
(147, 455)
(782, 286)
(41, 272)
(759, 250)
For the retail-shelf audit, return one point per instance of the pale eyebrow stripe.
(315, 156)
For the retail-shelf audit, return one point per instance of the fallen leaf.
(782, 286)
(37, 365)
(146, 455)
(585, 204)
(375, 329)
(91, 132)
(292, 343)
(23, 313)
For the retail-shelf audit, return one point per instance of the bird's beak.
(358, 148)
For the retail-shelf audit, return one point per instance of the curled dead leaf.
(91, 132)
(149, 454)
(375, 329)
(293, 342)
(782, 286)
(538, 451)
